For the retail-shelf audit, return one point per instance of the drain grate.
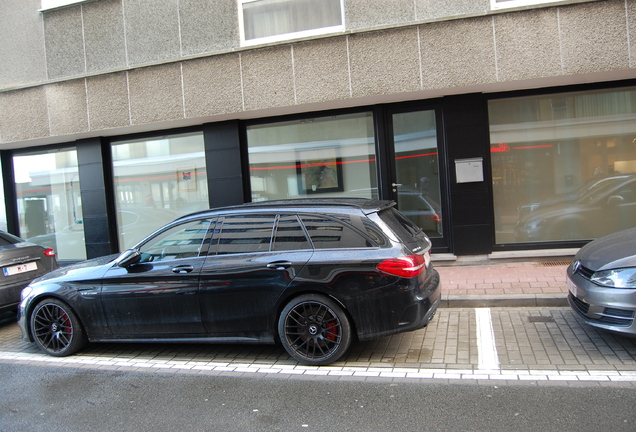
(541, 319)
(552, 263)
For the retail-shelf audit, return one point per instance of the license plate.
(572, 288)
(20, 268)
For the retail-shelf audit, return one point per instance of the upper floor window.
(54, 4)
(263, 21)
(507, 4)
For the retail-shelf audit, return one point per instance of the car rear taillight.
(406, 266)
(49, 252)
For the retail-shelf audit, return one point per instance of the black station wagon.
(311, 274)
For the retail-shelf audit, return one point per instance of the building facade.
(496, 125)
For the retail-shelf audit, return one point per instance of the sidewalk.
(512, 284)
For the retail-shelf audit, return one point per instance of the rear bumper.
(402, 309)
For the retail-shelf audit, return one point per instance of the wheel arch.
(284, 301)
(39, 299)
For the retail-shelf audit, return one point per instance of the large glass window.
(325, 156)
(264, 21)
(417, 181)
(49, 202)
(563, 165)
(156, 181)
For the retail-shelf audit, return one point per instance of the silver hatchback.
(602, 282)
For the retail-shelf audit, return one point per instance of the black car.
(310, 274)
(20, 263)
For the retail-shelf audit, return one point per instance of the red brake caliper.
(332, 330)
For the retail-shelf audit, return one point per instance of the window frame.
(48, 5)
(510, 4)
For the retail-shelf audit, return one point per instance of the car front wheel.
(56, 329)
(314, 330)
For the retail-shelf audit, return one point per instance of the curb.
(511, 300)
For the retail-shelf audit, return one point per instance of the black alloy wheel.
(56, 329)
(314, 330)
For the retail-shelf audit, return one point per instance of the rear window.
(327, 233)
(406, 230)
(8, 239)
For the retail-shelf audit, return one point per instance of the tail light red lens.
(406, 266)
(49, 252)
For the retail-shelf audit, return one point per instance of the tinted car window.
(402, 226)
(182, 241)
(327, 233)
(245, 234)
(289, 235)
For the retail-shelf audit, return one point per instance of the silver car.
(602, 282)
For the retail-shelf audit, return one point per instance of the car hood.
(617, 250)
(90, 269)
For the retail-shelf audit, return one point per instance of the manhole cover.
(540, 319)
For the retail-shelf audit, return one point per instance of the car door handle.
(279, 265)
(182, 269)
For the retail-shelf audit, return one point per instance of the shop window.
(563, 166)
(264, 21)
(156, 181)
(321, 157)
(49, 201)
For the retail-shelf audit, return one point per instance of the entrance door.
(415, 172)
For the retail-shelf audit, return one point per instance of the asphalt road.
(43, 398)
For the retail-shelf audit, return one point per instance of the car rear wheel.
(314, 330)
(56, 329)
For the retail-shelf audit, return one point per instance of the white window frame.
(286, 36)
(56, 4)
(496, 5)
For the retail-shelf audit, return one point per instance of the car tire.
(314, 330)
(56, 329)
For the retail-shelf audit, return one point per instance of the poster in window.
(320, 175)
(186, 179)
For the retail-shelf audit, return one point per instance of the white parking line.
(488, 358)
(229, 368)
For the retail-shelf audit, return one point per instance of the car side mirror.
(128, 258)
(615, 200)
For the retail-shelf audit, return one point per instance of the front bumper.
(611, 309)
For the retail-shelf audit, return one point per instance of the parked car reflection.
(134, 224)
(590, 185)
(608, 207)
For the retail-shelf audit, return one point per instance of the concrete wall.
(119, 66)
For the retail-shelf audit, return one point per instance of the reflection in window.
(184, 241)
(417, 169)
(327, 233)
(289, 235)
(3, 208)
(264, 21)
(563, 165)
(49, 201)
(245, 234)
(156, 181)
(326, 156)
